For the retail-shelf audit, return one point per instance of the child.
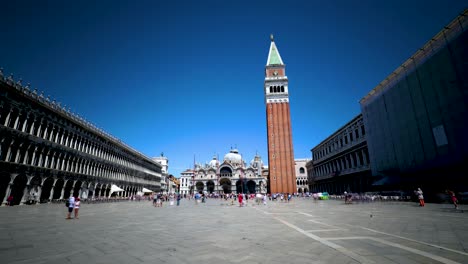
(77, 207)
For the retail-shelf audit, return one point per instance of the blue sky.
(186, 77)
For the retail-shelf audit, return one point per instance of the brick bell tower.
(280, 146)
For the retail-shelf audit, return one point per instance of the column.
(26, 190)
(364, 157)
(356, 156)
(63, 189)
(52, 191)
(8, 191)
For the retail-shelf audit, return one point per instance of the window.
(271, 89)
(282, 89)
(356, 133)
(363, 131)
(351, 137)
(301, 170)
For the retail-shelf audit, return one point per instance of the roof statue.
(271, 37)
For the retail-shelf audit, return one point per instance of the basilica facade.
(231, 175)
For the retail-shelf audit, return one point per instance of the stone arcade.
(48, 153)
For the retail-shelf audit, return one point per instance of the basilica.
(232, 175)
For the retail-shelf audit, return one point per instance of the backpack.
(67, 204)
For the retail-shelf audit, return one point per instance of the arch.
(107, 190)
(306, 190)
(4, 181)
(282, 89)
(200, 186)
(225, 185)
(225, 172)
(271, 89)
(299, 190)
(68, 189)
(77, 189)
(97, 191)
(17, 190)
(240, 187)
(33, 190)
(301, 170)
(58, 189)
(46, 188)
(210, 186)
(251, 186)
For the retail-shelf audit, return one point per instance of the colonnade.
(48, 153)
(35, 189)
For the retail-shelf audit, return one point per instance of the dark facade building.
(341, 161)
(417, 118)
(47, 153)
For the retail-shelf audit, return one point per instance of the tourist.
(453, 198)
(155, 200)
(77, 206)
(178, 199)
(10, 200)
(419, 193)
(70, 204)
(159, 200)
(265, 199)
(240, 198)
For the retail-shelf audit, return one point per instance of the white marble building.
(302, 180)
(164, 161)
(186, 181)
(232, 175)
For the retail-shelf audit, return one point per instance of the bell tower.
(280, 147)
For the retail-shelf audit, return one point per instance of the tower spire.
(274, 57)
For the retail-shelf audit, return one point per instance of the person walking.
(178, 199)
(77, 207)
(70, 204)
(453, 198)
(240, 198)
(419, 193)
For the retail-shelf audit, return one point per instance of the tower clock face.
(275, 73)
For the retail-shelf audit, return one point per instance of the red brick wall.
(281, 154)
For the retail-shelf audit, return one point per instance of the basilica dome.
(233, 156)
(213, 163)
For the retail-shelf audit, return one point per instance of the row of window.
(30, 154)
(276, 89)
(338, 143)
(352, 160)
(49, 131)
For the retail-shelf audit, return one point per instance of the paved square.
(302, 231)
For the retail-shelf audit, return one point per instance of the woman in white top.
(77, 207)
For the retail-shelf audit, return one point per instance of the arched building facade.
(231, 176)
(48, 153)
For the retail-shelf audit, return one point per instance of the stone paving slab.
(302, 231)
